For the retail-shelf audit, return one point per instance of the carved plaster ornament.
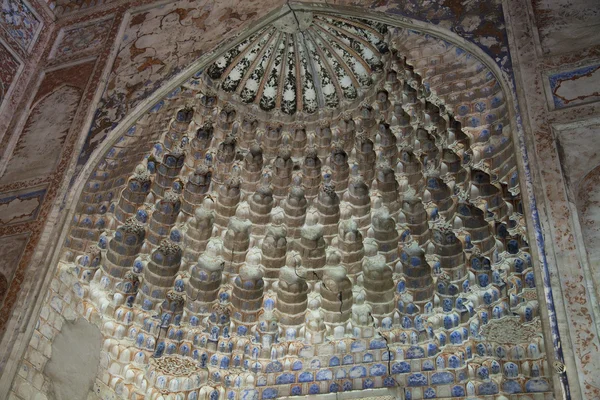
(316, 224)
(510, 330)
(132, 225)
(174, 365)
(142, 173)
(176, 298)
(167, 247)
(441, 224)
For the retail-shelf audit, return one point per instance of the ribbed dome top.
(304, 61)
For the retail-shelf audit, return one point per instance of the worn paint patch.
(579, 154)
(75, 359)
(19, 207)
(480, 22)
(573, 87)
(567, 26)
(83, 39)
(8, 70)
(39, 147)
(11, 250)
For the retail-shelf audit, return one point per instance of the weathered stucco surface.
(39, 147)
(567, 26)
(73, 366)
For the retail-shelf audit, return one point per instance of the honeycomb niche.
(332, 206)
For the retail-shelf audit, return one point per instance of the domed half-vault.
(332, 205)
(303, 62)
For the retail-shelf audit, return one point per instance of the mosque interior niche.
(307, 215)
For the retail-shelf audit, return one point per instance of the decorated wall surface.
(113, 58)
(9, 69)
(393, 214)
(20, 28)
(20, 22)
(43, 136)
(84, 38)
(34, 169)
(12, 250)
(146, 59)
(157, 45)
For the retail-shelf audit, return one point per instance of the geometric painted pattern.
(271, 67)
(20, 207)
(9, 66)
(82, 38)
(578, 86)
(19, 22)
